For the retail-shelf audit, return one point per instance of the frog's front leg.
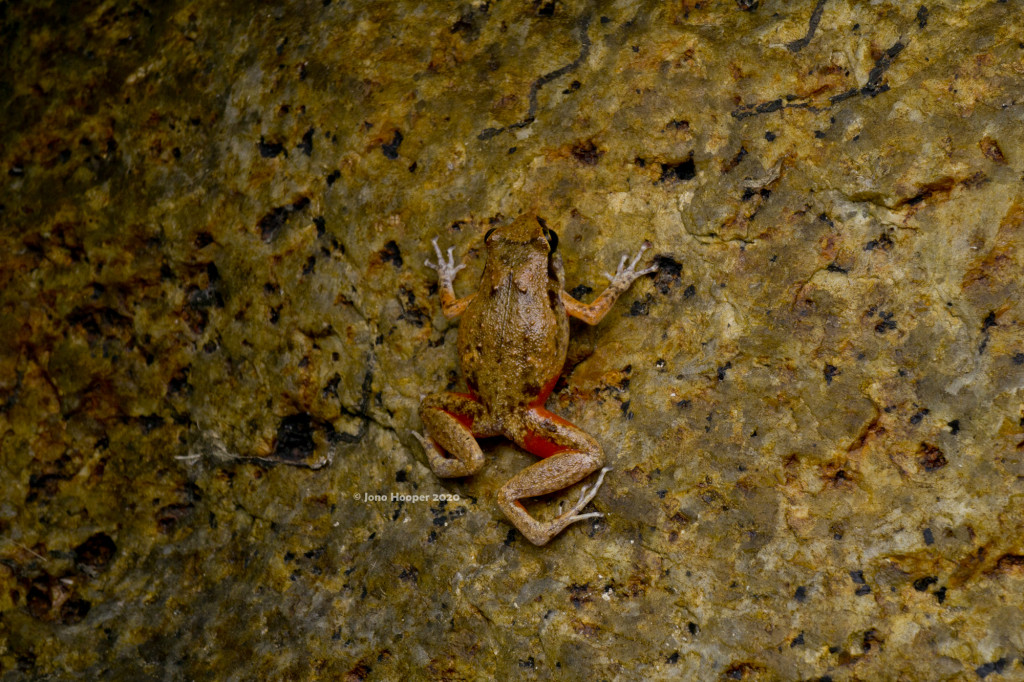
(624, 276)
(569, 456)
(446, 271)
(453, 421)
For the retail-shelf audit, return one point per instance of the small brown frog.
(512, 344)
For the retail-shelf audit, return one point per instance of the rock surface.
(216, 326)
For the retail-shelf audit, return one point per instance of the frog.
(512, 343)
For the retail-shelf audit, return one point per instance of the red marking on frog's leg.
(569, 456)
(537, 438)
(545, 391)
(453, 421)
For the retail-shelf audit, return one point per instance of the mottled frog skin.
(512, 344)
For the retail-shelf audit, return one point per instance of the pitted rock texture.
(216, 325)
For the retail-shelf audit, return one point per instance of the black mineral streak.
(678, 171)
(531, 113)
(391, 254)
(96, 552)
(922, 584)
(212, 295)
(830, 373)
(306, 146)
(667, 274)
(295, 438)
(390, 149)
(580, 290)
(922, 16)
(886, 324)
(812, 26)
(987, 669)
(883, 242)
(639, 308)
(269, 150)
(271, 223)
(873, 86)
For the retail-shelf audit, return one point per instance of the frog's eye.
(489, 233)
(552, 238)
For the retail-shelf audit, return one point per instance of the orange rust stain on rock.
(1003, 262)
(990, 148)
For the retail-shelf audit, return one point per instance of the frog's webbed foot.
(624, 276)
(586, 495)
(627, 274)
(446, 269)
(570, 455)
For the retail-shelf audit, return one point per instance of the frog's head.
(529, 233)
(524, 246)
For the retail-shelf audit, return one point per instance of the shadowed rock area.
(216, 326)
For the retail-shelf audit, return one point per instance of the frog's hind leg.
(569, 456)
(452, 421)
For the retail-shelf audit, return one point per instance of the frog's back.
(512, 344)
